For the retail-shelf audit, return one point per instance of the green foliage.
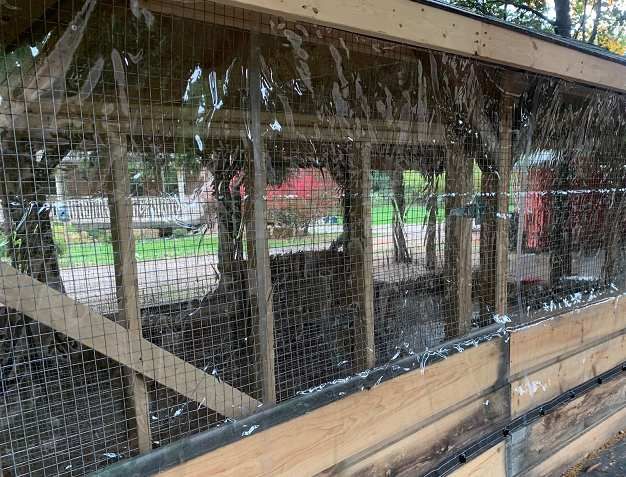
(602, 24)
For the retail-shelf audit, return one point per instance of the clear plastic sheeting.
(262, 208)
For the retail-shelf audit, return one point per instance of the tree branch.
(596, 21)
(532, 10)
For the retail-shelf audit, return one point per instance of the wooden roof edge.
(438, 28)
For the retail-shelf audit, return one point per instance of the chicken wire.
(134, 138)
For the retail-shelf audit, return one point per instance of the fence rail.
(148, 212)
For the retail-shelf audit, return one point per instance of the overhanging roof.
(444, 28)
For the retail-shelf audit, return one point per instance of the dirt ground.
(607, 461)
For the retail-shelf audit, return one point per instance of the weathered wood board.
(58, 311)
(536, 443)
(425, 448)
(594, 438)
(491, 463)
(549, 341)
(536, 388)
(309, 444)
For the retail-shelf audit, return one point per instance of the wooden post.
(258, 251)
(126, 285)
(488, 233)
(360, 251)
(458, 242)
(505, 164)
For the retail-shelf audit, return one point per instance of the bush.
(301, 202)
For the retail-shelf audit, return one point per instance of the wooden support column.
(360, 254)
(258, 250)
(505, 164)
(126, 285)
(488, 234)
(458, 242)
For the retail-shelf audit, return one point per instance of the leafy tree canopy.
(597, 22)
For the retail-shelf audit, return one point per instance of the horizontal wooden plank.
(58, 311)
(536, 388)
(550, 340)
(491, 463)
(540, 440)
(316, 441)
(422, 450)
(593, 439)
(427, 26)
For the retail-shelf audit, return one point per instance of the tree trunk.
(344, 182)
(31, 247)
(596, 22)
(560, 236)
(229, 221)
(26, 184)
(400, 249)
(431, 226)
(563, 26)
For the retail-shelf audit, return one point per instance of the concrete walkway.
(170, 280)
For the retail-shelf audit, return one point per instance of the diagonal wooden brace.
(63, 314)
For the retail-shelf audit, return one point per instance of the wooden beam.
(505, 164)
(491, 463)
(258, 251)
(337, 431)
(52, 118)
(594, 438)
(427, 446)
(360, 254)
(547, 342)
(427, 26)
(538, 442)
(126, 284)
(458, 242)
(75, 320)
(534, 389)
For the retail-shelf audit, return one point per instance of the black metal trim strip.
(477, 448)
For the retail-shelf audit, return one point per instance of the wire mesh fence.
(208, 210)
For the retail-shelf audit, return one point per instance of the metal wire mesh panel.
(208, 210)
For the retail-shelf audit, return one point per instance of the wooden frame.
(371, 431)
(458, 243)
(407, 425)
(258, 253)
(432, 27)
(360, 250)
(126, 282)
(58, 311)
(316, 441)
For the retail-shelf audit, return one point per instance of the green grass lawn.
(76, 250)
(101, 253)
(382, 214)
